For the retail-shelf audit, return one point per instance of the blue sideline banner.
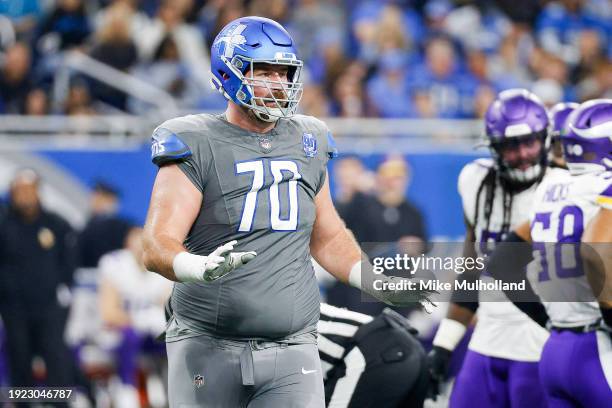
(433, 185)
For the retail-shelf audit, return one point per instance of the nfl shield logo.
(310, 144)
(198, 380)
(265, 144)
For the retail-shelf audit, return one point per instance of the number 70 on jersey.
(276, 168)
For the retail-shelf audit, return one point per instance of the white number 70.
(277, 167)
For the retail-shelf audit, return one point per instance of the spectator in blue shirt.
(387, 89)
(559, 25)
(22, 13)
(15, 78)
(64, 27)
(450, 90)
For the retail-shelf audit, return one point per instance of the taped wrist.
(362, 278)
(188, 267)
(355, 276)
(449, 334)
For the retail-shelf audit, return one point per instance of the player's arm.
(175, 203)
(111, 310)
(452, 328)
(508, 262)
(335, 249)
(174, 207)
(464, 303)
(523, 231)
(331, 244)
(596, 254)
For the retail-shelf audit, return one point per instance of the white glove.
(197, 268)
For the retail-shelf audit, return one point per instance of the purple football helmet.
(558, 117)
(587, 145)
(518, 117)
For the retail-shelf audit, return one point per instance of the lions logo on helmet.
(234, 39)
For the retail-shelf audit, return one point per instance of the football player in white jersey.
(558, 115)
(501, 366)
(569, 208)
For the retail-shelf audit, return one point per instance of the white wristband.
(449, 334)
(354, 278)
(188, 267)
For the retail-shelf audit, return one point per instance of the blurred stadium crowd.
(364, 58)
(80, 308)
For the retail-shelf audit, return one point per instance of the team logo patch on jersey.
(198, 380)
(310, 144)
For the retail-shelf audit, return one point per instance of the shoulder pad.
(474, 172)
(167, 147)
(332, 151)
(604, 198)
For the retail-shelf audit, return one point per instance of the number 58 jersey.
(258, 189)
(563, 207)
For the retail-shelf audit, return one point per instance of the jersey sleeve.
(468, 184)
(168, 147)
(326, 145)
(604, 198)
(332, 150)
(174, 142)
(326, 148)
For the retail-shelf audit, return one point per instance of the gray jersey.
(257, 189)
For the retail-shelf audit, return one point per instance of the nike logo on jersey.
(304, 371)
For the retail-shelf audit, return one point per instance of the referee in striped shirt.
(370, 361)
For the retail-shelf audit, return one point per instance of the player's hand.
(222, 261)
(400, 297)
(438, 361)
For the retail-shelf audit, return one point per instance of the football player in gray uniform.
(240, 203)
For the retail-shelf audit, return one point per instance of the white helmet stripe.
(601, 130)
(518, 129)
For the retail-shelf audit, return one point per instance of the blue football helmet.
(256, 40)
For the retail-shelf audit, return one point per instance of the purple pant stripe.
(571, 371)
(490, 382)
(127, 355)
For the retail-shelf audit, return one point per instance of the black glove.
(438, 361)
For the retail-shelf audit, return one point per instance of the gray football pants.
(219, 373)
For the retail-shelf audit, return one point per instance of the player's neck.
(239, 117)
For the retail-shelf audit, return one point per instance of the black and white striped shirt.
(336, 327)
